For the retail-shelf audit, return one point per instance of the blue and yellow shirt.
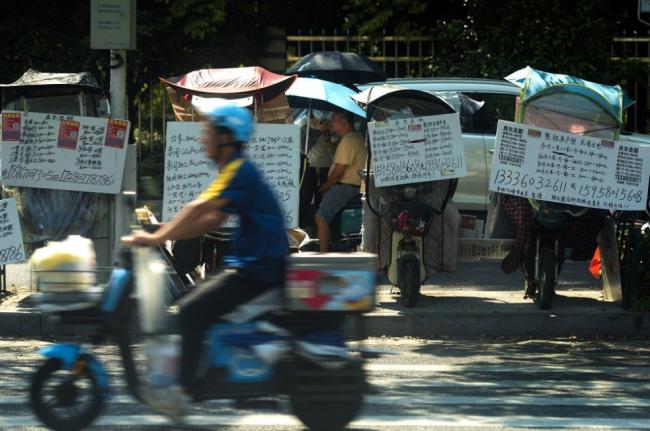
(260, 246)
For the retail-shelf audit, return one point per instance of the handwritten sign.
(274, 148)
(53, 151)
(11, 237)
(187, 171)
(415, 150)
(554, 166)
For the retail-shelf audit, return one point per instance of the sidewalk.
(476, 300)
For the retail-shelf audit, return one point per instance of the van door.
(497, 106)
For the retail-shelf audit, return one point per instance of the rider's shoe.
(169, 401)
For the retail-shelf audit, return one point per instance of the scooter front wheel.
(546, 290)
(65, 399)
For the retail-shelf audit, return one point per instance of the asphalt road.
(422, 384)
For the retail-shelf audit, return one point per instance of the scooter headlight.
(409, 192)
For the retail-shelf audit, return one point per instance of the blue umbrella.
(323, 95)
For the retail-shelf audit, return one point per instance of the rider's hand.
(143, 239)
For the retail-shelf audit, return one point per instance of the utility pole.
(112, 27)
(119, 110)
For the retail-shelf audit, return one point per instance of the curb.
(32, 323)
(433, 325)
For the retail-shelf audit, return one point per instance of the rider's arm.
(334, 177)
(196, 218)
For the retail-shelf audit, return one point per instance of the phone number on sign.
(11, 254)
(507, 177)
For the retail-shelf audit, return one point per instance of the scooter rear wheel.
(326, 399)
(409, 282)
(63, 409)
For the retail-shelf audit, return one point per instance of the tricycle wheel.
(65, 399)
(327, 399)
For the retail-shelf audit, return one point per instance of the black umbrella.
(341, 67)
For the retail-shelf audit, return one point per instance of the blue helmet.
(238, 120)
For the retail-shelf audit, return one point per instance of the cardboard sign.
(561, 167)
(415, 150)
(11, 237)
(63, 152)
(274, 148)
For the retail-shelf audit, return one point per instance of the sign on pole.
(415, 150)
(274, 149)
(112, 24)
(63, 152)
(548, 165)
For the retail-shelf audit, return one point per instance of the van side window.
(497, 106)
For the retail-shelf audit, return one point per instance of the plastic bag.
(65, 265)
(163, 360)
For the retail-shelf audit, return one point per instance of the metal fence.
(399, 56)
(635, 48)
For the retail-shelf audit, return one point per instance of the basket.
(67, 290)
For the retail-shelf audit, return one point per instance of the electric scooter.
(265, 347)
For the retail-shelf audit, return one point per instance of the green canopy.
(536, 83)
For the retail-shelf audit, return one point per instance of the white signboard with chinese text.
(561, 167)
(415, 150)
(63, 152)
(112, 24)
(274, 148)
(11, 237)
(187, 171)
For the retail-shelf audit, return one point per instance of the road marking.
(498, 368)
(433, 400)
(443, 368)
(268, 420)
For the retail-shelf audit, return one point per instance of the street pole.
(119, 111)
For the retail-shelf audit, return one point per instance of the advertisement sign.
(415, 150)
(11, 237)
(274, 148)
(63, 152)
(554, 166)
(11, 126)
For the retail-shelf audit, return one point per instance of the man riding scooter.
(260, 249)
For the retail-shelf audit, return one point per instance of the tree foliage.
(473, 37)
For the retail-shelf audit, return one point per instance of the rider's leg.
(202, 307)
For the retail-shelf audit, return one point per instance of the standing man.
(343, 182)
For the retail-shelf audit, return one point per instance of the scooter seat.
(267, 302)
